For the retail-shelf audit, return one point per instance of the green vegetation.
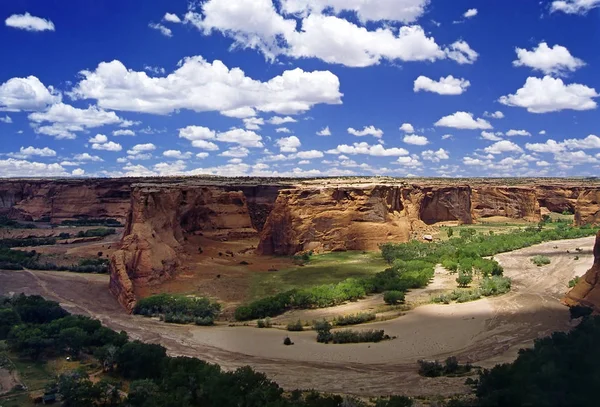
(488, 286)
(324, 335)
(540, 260)
(393, 297)
(295, 326)
(412, 265)
(99, 232)
(560, 370)
(355, 319)
(322, 269)
(29, 241)
(13, 224)
(464, 278)
(154, 379)
(451, 367)
(578, 311)
(179, 309)
(92, 222)
(264, 323)
(573, 282)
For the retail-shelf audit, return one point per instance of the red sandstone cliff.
(587, 291)
(64, 199)
(587, 207)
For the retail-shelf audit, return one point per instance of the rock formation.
(587, 291)
(280, 216)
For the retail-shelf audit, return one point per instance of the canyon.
(169, 220)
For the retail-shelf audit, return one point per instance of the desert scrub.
(540, 260)
(355, 319)
(295, 326)
(351, 336)
(488, 286)
(264, 323)
(393, 297)
(179, 309)
(451, 367)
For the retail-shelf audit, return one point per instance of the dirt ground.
(484, 332)
(8, 380)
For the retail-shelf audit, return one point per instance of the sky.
(300, 88)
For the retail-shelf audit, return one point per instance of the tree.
(137, 360)
(143, 393)
(393, 297)
(8, 318)
(450, 232)
(72, 340)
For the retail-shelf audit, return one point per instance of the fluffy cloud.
(407, 128)
(202, 86)
(366, 131)
(415, 140)
(550, 146)
(445, 86)
(162, 29)
(277, 120)
(324, 132)
(28, 94)
(283, 130)
(364, 148)
(236, 152)
(177, 154)
(556, 60)
(503, 146)
(205, 145)
(288, 144)
(327, 37)
(253, 123)
(246, 138)
(435, 156)
(141, 148)
(487, 135)
(551, 95)
(22, 168)
(66, 119)
(6, 119)
(109, 146)
(28, 22)
(512, 133)
(202, 155)
(574, 6)
(554, 147)
(463, 120)
(409, 161)
(98, 138)
(26, 152)
(123, 133)
(495, 115)
(571, 158)
(197, 133)
(470, 13)
(405, 11)
(590, 142)
(172, 18)
(87, 157)
(308, 155)
(78, 172)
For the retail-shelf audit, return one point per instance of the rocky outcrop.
(64, 199)
(587, 291)
(587, 208)
(510, 202)
(160, 219)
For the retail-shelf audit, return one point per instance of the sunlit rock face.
(587, 291)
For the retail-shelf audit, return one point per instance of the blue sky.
(300, 88)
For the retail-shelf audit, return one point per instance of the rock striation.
(587, 291)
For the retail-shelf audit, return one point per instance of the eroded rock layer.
(587, 291)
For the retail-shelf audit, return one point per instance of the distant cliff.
(587, 291)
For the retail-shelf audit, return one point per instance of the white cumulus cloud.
(574, 6)
(551, 61)
(366, 131)
(27, 94)
(324, 132)
(445, 86)
(288, 144)
(472, 12)
(463, 120)
(29, 23)
(415, 140)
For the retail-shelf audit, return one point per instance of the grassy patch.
(34, 374)
(327, 268)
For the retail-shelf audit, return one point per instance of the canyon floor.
(484, 332)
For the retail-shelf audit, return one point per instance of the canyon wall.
(64, 199)
(587, 291)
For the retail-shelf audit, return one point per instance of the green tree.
(72, 340)
(143, 393)
(464, 279)
(137, 360)
(8, 318)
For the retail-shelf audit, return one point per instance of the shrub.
(99, 232)
(540, 260)
(393, 297)
(449, 368)
(264, 323)
(494, 285)
(450, 265)
(430, 369)
(450, 232)
(354, 319)
(295, 326)
(573, 282)
(394, 401)
(350, 336)
(179, 309)
(287, 341)
(464, 279)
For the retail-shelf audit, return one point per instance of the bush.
(295, 326)
(464, 278)
(264, 323)
(393, 297)
(287, 341)
(354, 319)
(179, 309)
(494, 285)
(350, 336)
(450, 367)
(99, 232)
(395, 401)
(540, 260)
(573, 282)
(92, 222)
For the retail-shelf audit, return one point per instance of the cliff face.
(510, 202)
(64, 199)
(587, 209)
(587, 291)
(160, 219)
